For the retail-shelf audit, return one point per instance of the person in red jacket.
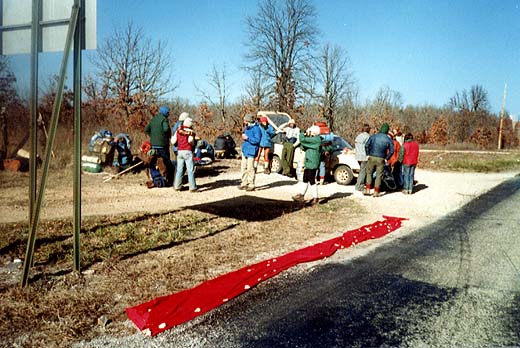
(409, 156)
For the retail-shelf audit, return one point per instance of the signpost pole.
(48, 150)
(77, 136)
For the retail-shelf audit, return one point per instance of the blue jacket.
(250, 146)
(267, 134)
(380, 145)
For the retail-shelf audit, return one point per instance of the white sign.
(16, 18)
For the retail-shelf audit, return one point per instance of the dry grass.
(132, 259)
(465, 161)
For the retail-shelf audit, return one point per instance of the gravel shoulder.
(437, 193)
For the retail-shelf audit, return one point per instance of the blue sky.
(426, 50)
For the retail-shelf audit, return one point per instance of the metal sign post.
(47, 25)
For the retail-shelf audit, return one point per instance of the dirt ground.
(284, 227)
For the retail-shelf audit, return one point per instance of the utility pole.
(502, 118)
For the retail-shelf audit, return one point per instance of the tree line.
(289, 70)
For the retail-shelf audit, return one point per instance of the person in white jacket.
(361, 156)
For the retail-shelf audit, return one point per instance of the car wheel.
(343, 175)
(276, 165)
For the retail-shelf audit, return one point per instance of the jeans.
(248, 171)
(185, 157)
(164, 152)
(361, 179)
(408, 177)
(322, 169)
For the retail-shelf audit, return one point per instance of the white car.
(341, 163)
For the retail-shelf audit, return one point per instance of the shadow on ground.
(248, 208)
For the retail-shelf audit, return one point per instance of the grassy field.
(469, 161)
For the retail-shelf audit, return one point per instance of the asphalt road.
(452, 284)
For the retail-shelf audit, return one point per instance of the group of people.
(385, 150)
(186, 146)
(257, 139)
(114, 151)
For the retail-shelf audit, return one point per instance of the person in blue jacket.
(251, 137)
(379, 148)
(265, 143)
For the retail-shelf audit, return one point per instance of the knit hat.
(188, 122)
(314, 130)
(183, 116)
(263, 119)
(164, 110)
(291, 121)
(384, 128)
(249, 118)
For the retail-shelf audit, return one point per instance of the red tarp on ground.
(165, 312)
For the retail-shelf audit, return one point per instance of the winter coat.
(395, 157)
(409, 153)
(380, 145)
(250, 145)
(267, 134)
(158, 129)
(183, 134)
(312, 148)
(361, 140)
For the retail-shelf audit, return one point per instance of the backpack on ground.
(155, 168)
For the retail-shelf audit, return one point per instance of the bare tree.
(471, 109)
(386, 106)
(257, 89)
(280, 37)
(217, 81)
(330, 82)
(474, 101)
(133, 70)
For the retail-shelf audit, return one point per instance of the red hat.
(263, 119)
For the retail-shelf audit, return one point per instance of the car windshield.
(279, 119)
(339, 143)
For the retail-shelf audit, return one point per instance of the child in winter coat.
(409, 156)
(265, 143)
(310, 141)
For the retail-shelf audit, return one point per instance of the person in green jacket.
(310, 141)
(158, 129)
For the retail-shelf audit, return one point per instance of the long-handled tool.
(122, 172)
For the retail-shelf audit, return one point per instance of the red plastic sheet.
(165, 312)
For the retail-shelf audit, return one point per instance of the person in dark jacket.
(226, 143)
(379, 148)
(158, 129)
(251, 137)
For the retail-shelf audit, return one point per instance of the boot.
(315, 201)
(366, 191)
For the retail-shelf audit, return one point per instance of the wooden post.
(502, 118)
